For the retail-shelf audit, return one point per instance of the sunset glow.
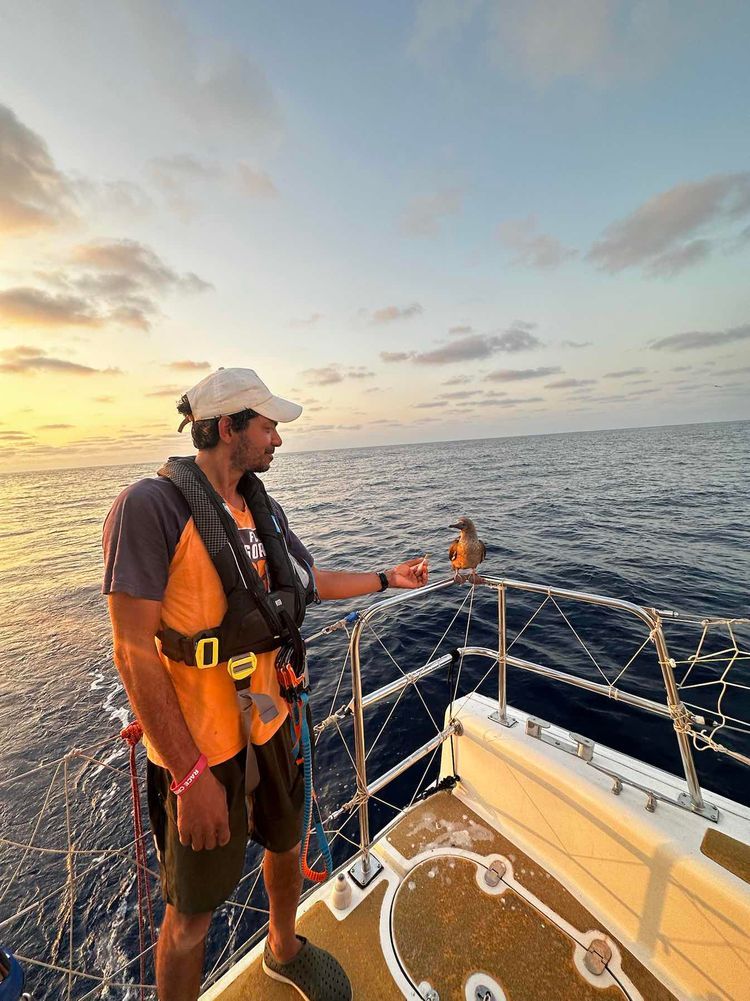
(422, 221)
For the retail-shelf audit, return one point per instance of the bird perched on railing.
(467, 551)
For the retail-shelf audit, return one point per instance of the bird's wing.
(484, 551)
(453, 551)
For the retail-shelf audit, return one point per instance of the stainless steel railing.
(650, 618)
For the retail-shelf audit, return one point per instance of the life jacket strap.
(200, 650)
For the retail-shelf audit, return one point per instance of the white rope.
(403, 673)
(51, 786)
(588, 652)
(103, 981)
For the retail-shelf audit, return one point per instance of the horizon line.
(412, 444)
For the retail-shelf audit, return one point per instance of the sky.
(421, 220)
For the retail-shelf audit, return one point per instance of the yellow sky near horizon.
(412, 251)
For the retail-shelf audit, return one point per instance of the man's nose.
(276, 440)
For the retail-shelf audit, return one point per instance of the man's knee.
(185, 931)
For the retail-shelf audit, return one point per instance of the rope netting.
(712, 676)
(714, 686)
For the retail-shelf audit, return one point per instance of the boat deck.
(459, 906)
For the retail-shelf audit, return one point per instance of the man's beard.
(248, 461)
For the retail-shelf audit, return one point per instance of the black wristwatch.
(383, 580)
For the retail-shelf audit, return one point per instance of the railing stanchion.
(502, 661)
(366, 868)
(694, 796)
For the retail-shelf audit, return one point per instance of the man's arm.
(333, 584)
(202, 816)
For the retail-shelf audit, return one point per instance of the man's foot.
(315, 974)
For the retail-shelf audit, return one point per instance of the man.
(162, 583)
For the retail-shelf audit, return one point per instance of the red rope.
(132, 735)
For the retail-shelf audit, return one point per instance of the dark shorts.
(197, 882)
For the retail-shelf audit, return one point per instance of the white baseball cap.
(231, 390)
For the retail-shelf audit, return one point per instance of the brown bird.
(467, 551)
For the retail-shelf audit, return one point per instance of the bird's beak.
(454, 526)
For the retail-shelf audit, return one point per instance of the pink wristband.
(178, 788)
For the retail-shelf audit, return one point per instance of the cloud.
(104, 399)
(106, 281)
(467, 349)
(472, 347)
(464, 394)
(187, 366)
(35, 307)
(34, 194)
(597, 41)
(325, 376)
(702, 339)
(461, 330)
(495, 401)
(457, 380)
(521, 374)
(393, 356)
(54, 427)
(23, 360)
(570, 383)
(389, 314)
(427, 406)
(423, 215)
(215, 86)
(256, 183)
(518, 338)
(175, 391)
(129, 259)
(625, 373)
(576, 345)
(174, 177)
(658, 234)
(671, 262)
(308, 321)
(533, 250)
(329, 375)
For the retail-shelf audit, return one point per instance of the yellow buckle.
(243, 666)
(207, 652)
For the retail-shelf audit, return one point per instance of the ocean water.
(656, 516)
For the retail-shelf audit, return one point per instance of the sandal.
(315, 974)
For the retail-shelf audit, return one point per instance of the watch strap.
(383, 580)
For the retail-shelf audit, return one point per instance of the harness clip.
(207, 652)
(243, 666)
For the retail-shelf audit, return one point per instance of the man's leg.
(283, 884)
(179, 955)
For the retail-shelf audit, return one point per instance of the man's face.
(253, 448)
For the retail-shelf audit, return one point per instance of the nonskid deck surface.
(444, 925)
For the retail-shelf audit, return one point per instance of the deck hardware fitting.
(582, 747)
(597, 956)
(682, 802)
(483, 993)
(341, 897)
(707, 810)
(493, 876)
(508, 721)
(363, 872)
(431, 994)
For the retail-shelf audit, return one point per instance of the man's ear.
(225, 429)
